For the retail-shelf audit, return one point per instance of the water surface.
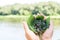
(11, 31)
(15, 31)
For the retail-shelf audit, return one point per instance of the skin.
(47, 35)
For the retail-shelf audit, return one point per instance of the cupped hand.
(47, 35)
(29, 34)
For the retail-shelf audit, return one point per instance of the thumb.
(25, 26)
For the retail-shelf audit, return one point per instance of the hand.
(31, 36)
(47, 35)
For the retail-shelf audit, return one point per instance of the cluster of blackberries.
(38, 24)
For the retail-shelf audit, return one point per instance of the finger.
(25, 26)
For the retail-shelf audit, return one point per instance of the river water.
(15, 31)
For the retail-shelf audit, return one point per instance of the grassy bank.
(13, 18)
(10, 18)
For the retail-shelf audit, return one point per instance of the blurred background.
(14, 12)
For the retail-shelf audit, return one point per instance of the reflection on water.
(15, 31)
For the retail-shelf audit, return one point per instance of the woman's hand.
(47, 35)
(29, 34)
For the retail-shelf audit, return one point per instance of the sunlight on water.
(15, 31)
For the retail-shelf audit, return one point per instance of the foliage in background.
(47, 8)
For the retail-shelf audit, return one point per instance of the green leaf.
(30, 23)
(48, 20)
(32, 28)
(30, 20)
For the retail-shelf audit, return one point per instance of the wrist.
(47, 39)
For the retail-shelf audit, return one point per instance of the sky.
(10, 2)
